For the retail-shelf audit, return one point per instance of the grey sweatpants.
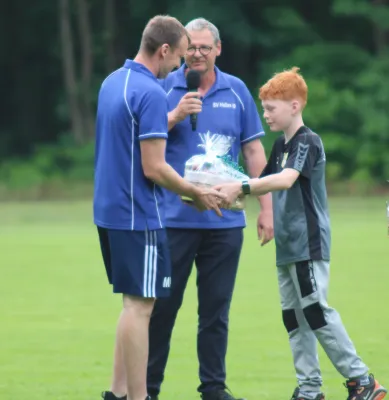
(308, 318)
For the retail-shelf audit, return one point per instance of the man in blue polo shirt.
(129, 212)
(225, 107)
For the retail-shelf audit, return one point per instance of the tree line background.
(55, 54)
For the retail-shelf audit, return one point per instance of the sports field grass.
(58, 315)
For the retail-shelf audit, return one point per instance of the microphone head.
(193, 79)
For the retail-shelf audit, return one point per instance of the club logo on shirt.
(223, 104)
(284, 160)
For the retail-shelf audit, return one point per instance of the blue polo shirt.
(132, 107)
(228, 110)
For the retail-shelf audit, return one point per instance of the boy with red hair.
(295, 173)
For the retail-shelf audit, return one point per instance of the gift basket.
(215, 166)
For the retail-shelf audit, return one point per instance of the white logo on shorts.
(167, 281)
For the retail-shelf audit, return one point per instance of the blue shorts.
(137, 262)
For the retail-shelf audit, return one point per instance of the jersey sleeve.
(152, 117)
(251, 123)
(303, 155)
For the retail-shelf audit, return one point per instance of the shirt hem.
(203, 225)
(126, 227)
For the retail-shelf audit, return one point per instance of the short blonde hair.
(286, 85)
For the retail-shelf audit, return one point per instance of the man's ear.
(164, 49)
(218, 48)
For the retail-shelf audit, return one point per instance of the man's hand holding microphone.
(190, 104)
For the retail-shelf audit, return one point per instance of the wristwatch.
(246, 187)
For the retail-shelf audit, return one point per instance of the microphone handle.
(193, 117)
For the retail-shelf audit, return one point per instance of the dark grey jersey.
(301, 220)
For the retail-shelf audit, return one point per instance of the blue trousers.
(216, 254)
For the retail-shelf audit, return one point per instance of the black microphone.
(193, 84)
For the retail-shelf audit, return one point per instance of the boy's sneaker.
(111, 396)
(218, 395)
(297, 395)
(359, 390)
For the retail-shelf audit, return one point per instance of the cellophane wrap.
(215, 166)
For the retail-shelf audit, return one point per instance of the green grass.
(58, 315)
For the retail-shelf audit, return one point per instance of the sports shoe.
(218, 395)
(111, 396)
(153, 397)
(302, 396)
(372, 391)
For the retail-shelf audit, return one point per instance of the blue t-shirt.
(132, 106)
(228, 110)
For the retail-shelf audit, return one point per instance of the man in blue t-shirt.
(227, 112)
(129, 209)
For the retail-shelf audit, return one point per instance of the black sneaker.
(153, 397)
(372, 391)
(111, 396)
(301, 396)
(218, 395)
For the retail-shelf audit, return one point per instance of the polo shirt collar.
(133, 65)
(179, 80)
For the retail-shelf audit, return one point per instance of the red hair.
(286, 85)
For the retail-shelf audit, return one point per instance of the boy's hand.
(232, 191)
(265, 227)
(208, 199)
